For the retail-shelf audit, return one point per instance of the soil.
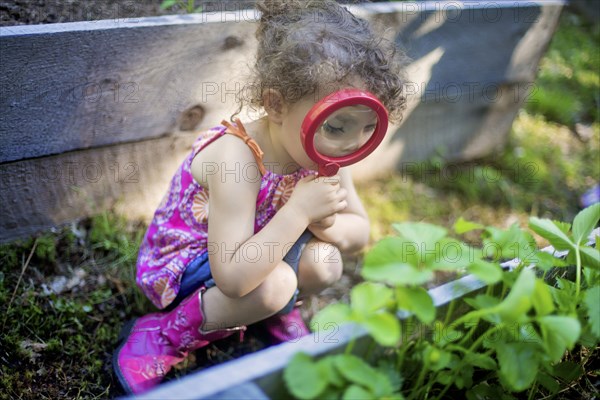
(30, 12)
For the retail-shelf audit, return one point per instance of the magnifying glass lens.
(345, 131)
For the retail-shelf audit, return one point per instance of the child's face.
(342, 133)
(345, 131)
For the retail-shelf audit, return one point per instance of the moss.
(59, 345)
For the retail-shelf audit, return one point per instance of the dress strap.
(239, 131)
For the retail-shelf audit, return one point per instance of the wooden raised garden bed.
(99, 114)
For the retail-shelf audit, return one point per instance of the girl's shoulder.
(225, 156)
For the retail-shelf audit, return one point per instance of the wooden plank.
(44, 192)
(87, 84)
(243, 391)
(80, 85)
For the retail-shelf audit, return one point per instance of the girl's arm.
(350, 231)
(240, 260)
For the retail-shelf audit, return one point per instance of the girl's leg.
(320, 267)
(271, 296)
(154, 343)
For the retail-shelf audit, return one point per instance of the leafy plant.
(513, 338)
(189, 6)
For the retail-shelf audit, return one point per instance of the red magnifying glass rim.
(329, 166)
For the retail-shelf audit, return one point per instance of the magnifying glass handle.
(328, 169)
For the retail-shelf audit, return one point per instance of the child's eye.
(333, 130)
(370, 128)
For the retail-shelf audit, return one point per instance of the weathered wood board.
(70, 90)
(45, 192)
(81, 85)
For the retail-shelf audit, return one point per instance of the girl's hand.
(318, 198)
(323, 224)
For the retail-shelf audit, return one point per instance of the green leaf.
(463, 226)
(525, 333)
(509, 244)
(518, 301)
(387, 368)
(355, 392)
(587, 338)
(450, 254)
(444, 377)
(485, 391)
(542, 298)
(560, 333)
(482, 301)
(420, 232)
(303, 379)
(590, 257)
(384, 327)
(518, 364)
(481, 361)
(392, 250)
(394, 260)
(397, 274)
(584, 222)
(369, 297)
(552, 232)
(568, 371)
(357, 371)
(486, 271)
(466, 376)
(333, 314)
(548, 382)
(167, 3)
(591, 298)
(564, 294)
(445, 334)
(545, 261)
(416, 300)
(333, 375)
(435, 358)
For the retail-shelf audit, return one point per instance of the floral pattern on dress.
(163, 287)
(194, 208)
(168, 240)
(283, 191)
(200, 206)
(169, 202)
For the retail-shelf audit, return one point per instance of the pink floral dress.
(178, 232)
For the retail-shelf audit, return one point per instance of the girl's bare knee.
(277, 290)
(320, 266)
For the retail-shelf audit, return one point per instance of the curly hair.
(306, 47)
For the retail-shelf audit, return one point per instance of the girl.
(228, 247)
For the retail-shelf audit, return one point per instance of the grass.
(568, 85)
(60, 325)
(67, 292)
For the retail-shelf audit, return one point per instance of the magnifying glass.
(343, 128)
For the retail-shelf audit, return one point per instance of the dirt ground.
(29, 12)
